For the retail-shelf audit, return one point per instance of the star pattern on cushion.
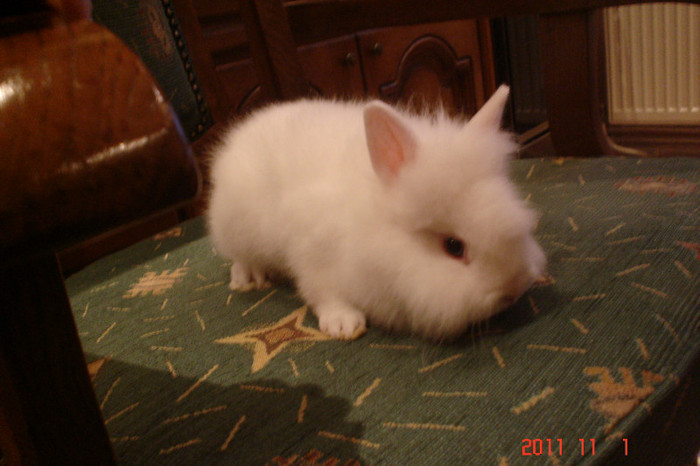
(269, 341)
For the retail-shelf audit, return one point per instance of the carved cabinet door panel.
(428, 64)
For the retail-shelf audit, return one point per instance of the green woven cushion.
(189, 372)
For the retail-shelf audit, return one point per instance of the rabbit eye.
(454, 247)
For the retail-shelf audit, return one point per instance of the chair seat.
(597, 363)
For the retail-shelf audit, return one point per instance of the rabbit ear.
(390, 142)
(491, 114)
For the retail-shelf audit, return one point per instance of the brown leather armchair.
(88, 142)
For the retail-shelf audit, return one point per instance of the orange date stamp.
(555, 447)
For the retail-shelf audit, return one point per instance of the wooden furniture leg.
(48, 402)
(572, 54)
(272, 44)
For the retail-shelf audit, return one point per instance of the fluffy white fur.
(353, 202)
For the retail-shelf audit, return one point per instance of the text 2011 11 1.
(552, 447)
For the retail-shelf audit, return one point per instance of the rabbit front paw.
(341, 321)
(245, 277)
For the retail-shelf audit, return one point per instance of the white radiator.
(653, 63)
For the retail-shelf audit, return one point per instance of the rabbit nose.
(511, 291)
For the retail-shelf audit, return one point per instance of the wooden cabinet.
(332, 68)
(448, 63)
(429, 64)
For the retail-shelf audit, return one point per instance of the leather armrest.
(87, 140)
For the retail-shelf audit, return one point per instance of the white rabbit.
(408, 221)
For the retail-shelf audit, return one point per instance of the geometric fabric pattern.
(595, 363)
